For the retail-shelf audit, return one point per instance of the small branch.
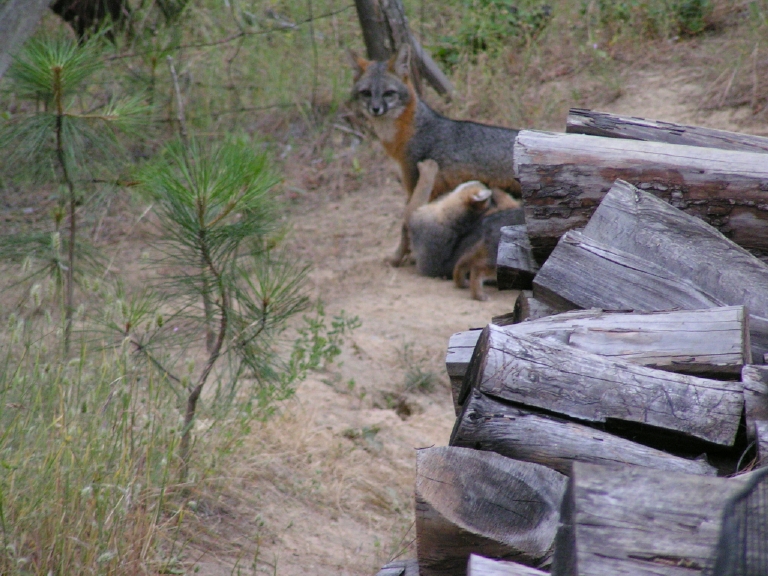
(234, 37)
(179, 102)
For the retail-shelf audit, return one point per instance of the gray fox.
(411, 132)
(458, 233)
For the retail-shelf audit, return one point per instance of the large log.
(713, 342)
(564, 177)
(644, 241)
(630, 521)
(469, 501)
(535, 372)
(490, 424)
(581, 121)
(480, 566)
(515, 265)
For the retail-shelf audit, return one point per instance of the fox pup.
(453, 235)
(479, 262)
(411, 132)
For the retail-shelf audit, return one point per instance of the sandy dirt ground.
(327, 487)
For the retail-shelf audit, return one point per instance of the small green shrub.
(649, 18)
(490, 24)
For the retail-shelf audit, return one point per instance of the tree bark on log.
(469, 501)
(638, 252)
(480, 566)
(565, 176)
(490, 424)
(551, 376)
(592, 123)
(630, 521)
(515, 265)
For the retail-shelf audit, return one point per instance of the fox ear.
(359, 64)
(400, 63)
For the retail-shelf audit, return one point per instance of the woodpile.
(597, 421)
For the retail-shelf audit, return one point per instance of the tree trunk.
(551, 376)
(18, 20)
(480, 566)
(469, 501)
(385, 29)
(593, 123)
(375, 33)
(622, 521)
(85, 16)
(515, 265)
(490, 424)
(638, 252)
(565, 176)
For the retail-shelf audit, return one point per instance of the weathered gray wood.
(490, 424)
(480, 566)
(761, 433)
(400, 568)
(469, 501)
(641, 224)
(755, 381)
(564, 177)
(460, 348)
(529, 308)
(631, 521)
(583, 272)
(552, 376)
(711, 342)
(515, 265)
(643, 254)
(593, 123)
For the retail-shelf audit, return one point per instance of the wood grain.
(552, 376)
(490, 424)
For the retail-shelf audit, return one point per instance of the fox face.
(382, 88)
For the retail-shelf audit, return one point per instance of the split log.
(564, 177)
(469, 501)
(712, 342)
(529, 308)
(460, 348)
(590, 122)
(554, 377)
(656, 258)
(490, 424)
(755, 381)
(480, 566)
(630, 521)
(515, 265)
(761, 433)
(400, 568)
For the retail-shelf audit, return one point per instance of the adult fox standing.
(411, 132)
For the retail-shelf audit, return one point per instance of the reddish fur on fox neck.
(404, 130)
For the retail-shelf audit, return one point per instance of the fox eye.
(389, 93)
(365, 93)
